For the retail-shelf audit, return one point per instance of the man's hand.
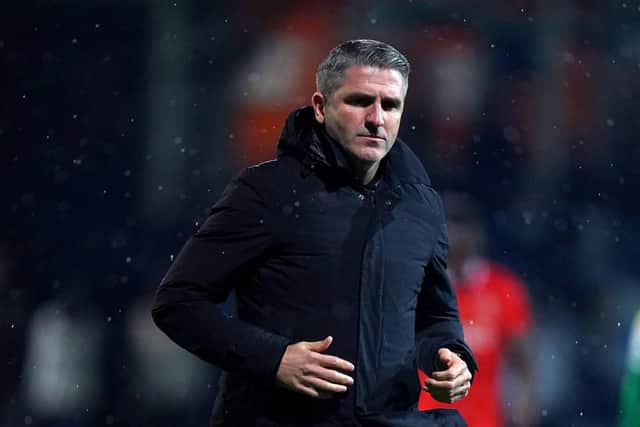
(304, 369)
(451, 381)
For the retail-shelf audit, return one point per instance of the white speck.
(544, 412)
(413, 127)
(619, 324)
(13, 326)
(611, 123)
(75, 116)
(97, 25)
(77, 162)
(28, 420)
(127, 172)
(471, 322)
(109, 319)
(373, 20)
(296, 204)
(74, 40)
(580, 413)
(492, 45)
(171, 257)
(128, 260)
(160, 187)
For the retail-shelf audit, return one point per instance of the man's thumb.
(321, 345)
(446, 356)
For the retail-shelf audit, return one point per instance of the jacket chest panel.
(316, 263)
(409, 236)
(322, 222)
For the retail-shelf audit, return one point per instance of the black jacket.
(308, 254)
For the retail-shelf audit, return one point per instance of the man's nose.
(375, 115)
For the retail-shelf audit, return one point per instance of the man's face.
(363, 114)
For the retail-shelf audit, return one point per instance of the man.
(336, 252)
(496, 314)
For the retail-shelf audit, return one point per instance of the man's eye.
(388, 106)
(359, 102)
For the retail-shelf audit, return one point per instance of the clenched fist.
(451, 381)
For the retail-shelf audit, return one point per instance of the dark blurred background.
(122, 121)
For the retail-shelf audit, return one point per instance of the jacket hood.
(305, 139)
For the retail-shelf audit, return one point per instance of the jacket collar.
(307, 140)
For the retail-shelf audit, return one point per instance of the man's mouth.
(377, 138)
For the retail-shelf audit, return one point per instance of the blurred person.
(62, 370)
(162, 396)
(276, 77)
(336, 254)
(496, 315)
(629, 412)
(452, 87)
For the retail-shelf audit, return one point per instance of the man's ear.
(318, 102)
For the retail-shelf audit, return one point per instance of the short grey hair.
(358, 52)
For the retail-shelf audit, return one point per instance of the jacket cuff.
(262, 360)
(270, 358)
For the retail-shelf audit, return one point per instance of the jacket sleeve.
(221, 255)
(437, 320)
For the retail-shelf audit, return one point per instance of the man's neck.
(364, 173)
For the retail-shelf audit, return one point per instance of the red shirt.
(494, 308)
